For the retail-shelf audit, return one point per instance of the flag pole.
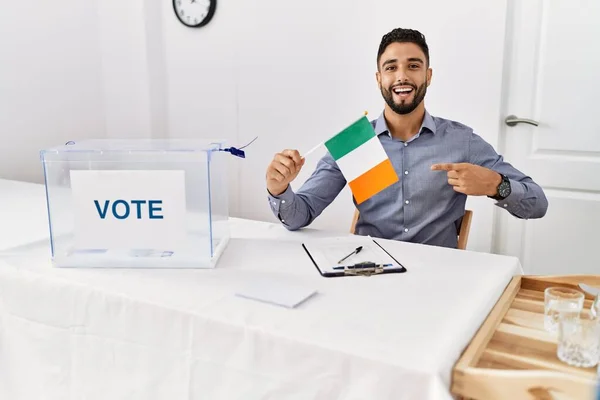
(312, 150)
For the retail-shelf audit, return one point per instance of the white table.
(183, 334)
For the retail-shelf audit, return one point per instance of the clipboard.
(373, 260)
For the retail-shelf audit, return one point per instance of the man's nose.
(402, 76)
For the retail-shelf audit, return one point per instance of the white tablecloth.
(183, 334)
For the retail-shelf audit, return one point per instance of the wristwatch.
(503, 189)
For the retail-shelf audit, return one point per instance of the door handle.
(512, 120)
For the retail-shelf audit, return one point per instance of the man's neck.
(404, 126)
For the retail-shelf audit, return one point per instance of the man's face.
(403, 76)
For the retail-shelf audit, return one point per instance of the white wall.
(291, 73)
(50, 81)
(125, 68)
(76, 71)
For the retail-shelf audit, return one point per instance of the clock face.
(194, 13)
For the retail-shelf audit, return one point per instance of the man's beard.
(405, 108)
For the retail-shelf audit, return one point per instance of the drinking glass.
(560, 302)
(579, 341)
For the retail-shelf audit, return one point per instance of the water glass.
(579, 341)
(559, 303)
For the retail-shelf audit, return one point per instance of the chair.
(463, 233)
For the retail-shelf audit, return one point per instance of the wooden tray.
(513, 357)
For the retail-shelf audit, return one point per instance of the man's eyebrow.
(395, 60)
(390, 61)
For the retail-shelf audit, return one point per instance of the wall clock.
(194, 13)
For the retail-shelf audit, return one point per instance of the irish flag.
(362, 160)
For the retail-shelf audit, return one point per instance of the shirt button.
(407, 201)
(274, 203)
(282, 201)
(506, 205)
(405, 172)
(405, 144)
(283, 220)
(405, 229)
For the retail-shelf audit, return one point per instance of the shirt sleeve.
(298, 209)
(527, 199)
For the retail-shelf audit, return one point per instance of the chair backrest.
(354, 219)
(463, 233)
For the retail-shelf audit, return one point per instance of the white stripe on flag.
(362, 159)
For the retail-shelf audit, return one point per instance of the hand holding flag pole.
(361, 159)
(358, 154)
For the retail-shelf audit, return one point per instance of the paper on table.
(327, 252)
(276, 292)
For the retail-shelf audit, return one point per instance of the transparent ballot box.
(137, 203)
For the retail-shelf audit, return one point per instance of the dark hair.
(401, 35)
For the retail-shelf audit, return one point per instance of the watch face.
(504, 189)
(194, 13)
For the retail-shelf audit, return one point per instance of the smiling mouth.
(403, 91)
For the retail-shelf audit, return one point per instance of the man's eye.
(390, 68)
(414, 66)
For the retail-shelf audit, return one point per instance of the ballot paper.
(276, 291)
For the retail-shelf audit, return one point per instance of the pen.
(356, 251)
(363, 266)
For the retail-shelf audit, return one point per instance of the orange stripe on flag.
(373, 181)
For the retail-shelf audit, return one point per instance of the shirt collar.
(428, 123)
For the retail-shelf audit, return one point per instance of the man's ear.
(378, 78)
(429, 75)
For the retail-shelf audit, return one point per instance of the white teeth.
(402, 90)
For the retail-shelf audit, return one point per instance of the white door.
(553, 78)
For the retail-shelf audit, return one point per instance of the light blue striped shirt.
(421, 207)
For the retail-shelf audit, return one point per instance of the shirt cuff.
(283, 200)
(512, 201)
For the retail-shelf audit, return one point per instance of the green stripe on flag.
(350, 138)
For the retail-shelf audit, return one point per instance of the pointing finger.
(443, 167)
(450, 166)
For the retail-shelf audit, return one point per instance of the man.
(439, 162)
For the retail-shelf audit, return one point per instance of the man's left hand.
(471, 179)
